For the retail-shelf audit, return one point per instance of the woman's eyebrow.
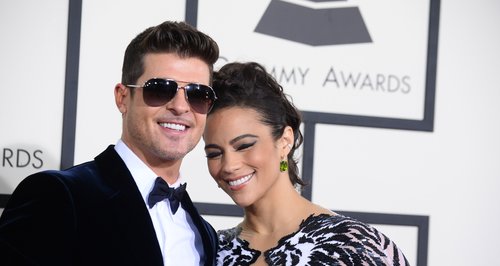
(242, 137)
(213, 146)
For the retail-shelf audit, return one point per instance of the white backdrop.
(351, 78)
(32, 67)
(451, 174)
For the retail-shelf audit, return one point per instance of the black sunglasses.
(159, 91)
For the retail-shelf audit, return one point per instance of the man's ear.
(121, 97)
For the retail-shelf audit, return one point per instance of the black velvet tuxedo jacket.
(90, 214)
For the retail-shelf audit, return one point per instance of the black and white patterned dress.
(320, 240)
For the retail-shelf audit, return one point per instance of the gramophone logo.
(314, 25)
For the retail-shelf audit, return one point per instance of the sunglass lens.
(200, 97)
(158, 92)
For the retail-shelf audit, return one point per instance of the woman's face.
(242, 156)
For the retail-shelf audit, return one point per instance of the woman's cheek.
(213, 168)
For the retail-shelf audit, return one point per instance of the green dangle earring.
(283, 165)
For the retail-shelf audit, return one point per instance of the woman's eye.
(211, 155)
(245, 146)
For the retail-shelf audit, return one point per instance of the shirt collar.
(143, 176)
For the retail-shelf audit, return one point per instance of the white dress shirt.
(179, 239)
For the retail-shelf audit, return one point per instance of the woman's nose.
(230, 162)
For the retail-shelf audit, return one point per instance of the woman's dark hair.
(248, 85)
(168, 37)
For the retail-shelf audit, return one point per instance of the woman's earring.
(283, 165)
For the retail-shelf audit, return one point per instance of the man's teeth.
(173, 126)
(240, 181)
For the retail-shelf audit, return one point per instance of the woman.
(251, 135)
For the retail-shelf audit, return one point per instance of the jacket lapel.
(132, 217)
(206, 231)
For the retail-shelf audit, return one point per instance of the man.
(101, 212)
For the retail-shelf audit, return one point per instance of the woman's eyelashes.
(213, 153)
(244, 146)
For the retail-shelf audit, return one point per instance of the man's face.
(166, 133)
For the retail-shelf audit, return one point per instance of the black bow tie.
(161, 190)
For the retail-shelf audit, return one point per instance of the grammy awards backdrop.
(363, 73)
